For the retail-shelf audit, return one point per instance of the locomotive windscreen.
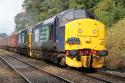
(78, 14)
(75, 14)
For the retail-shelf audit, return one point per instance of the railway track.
(107, 77)
(7, 74)
(102, 76)
(73, 75)
(32, 74)
(68, 81)
(113, 76)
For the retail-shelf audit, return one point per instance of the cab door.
(60, 36)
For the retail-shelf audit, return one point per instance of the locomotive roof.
(29, 28)
(52, 19)
(22, 30)
(39, 23)
(60, 15)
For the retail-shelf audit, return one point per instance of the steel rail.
(59, 77)
(28, 81)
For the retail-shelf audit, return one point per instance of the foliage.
(115, 42)
(110, 11)
(88, 4)
(21, 21)
(38, 10)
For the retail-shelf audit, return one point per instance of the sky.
(8, 10)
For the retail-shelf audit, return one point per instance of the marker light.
(80, 31)
(94, 31)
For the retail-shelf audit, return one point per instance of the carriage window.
(37, 35)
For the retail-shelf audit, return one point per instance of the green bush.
(109, 12)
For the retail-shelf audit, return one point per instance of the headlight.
(80, 31)
(88, 40)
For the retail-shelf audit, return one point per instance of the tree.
(21, 21)
(38, 10)
(88, 4)
(109, 11)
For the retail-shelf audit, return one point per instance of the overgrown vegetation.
(116, 45)
(110, 12)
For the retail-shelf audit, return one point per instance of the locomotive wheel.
(39, 55)
(62, 60)
(42, 54)
(55, 60)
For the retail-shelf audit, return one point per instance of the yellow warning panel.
(73, 62)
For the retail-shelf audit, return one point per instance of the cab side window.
(50, 32)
